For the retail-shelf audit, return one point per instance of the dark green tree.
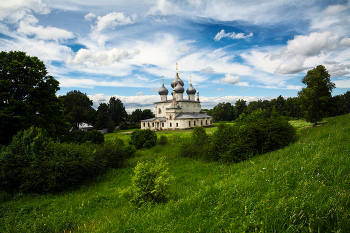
(77, 108)
(117, 110)
(135, 116)
(27, 97)
(315, 98)
(102, 116)
(239, 108)
(146, 114)
(222, 112)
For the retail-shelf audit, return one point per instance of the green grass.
(301, 188)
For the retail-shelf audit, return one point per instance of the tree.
(239, 108)
(147, 114)
(222, 112)
(77, 108)
(316, 96)
(117, 110)
(28, 97)
(102, 116)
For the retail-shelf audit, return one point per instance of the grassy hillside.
(304, 187)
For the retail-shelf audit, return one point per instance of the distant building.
(177, 113)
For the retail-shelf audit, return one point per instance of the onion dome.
(176, 80)
(163, 90)
(191, 90)
(179, 88)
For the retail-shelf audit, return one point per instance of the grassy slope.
(304, 186)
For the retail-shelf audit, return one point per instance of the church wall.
(190, 106)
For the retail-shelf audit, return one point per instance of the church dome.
(163, 90)
(175, 81)
(191, 90)
(179, 88)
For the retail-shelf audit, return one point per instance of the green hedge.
(34, 163)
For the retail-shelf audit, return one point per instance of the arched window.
(144, 124)
(189, 123)
(170, 125)
(211, 121)
(170, 117)
(206, 122)
(159, 111)
(194, 123)
(201, 122)
(162, 124)
(148, 124)
(152, 124)
(177, 124)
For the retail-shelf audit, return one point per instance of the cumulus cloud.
(89, 58)
(345, 42)
(231, 35)
(111, 20)
(334, 9)
(184, 48)
(230, 79)
(219, 89)
(292, 56)
(28, 27)
(90, 16)
(207, 70)
(139, 94)
(336, 69)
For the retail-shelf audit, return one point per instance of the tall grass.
(301, 188)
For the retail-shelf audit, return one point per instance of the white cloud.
(28, 27)
(207, 70)
(219, 89)
(230, 79)
(162, 7)
(231, 35)
(17, 9)
(342, 83)
(184, 48)
(139, 94)
(336, 69)
(345, 42)
(111, 20)
(90, 16)
(292, 56)
(90, 59)
(335, 9)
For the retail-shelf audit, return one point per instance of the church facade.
(177, 112)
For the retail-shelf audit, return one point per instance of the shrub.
(123, 126)
(94, 136)
(194, 147)
(110, 127)
(149, 184)
(33, 163)
(245, 139)
(140, 137)
(163, 140)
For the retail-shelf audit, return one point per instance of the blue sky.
(232, 49)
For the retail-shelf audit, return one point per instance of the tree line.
(312, 103)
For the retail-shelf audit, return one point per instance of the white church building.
(177, 112)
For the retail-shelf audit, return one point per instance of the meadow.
(304, 187)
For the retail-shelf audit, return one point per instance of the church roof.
(179, 88)
(163, 90)
(189, 115)
(177, 80)
(191, 90)
(156, 118)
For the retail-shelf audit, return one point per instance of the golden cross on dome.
(190, 79)
(176, 67)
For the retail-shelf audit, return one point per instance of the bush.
(123, 126)
(245, 139)
(140, 137)
(110, 127)
(34, 163)
(195, 146)
(94, 136)
(163, 140)
(149, 184)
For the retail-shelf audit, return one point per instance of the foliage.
(80, 136)
(140, 137)
(138, 115)
(77, 108)
(34, 163)
(116, 110)
(110, 127)
(239, 107)
(222, 112)
(196, 145)
(163, 140)
(123, 126)
(102, 116)
(149, 184)
(27, 97)
(301, 188)
(315, 98)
